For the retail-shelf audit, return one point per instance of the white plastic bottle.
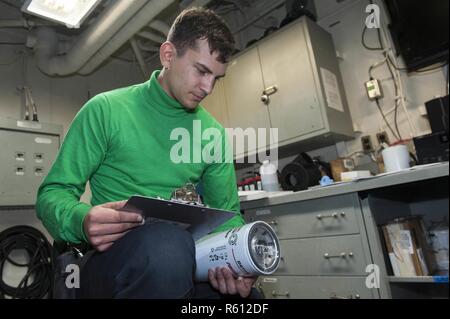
(269, 177)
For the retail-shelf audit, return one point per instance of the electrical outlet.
(373, 88)
(382, 137)
(367, 145)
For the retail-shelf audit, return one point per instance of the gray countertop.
(415, 174)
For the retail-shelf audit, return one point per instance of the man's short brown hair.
(198, 24)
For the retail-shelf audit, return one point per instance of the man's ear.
(167, 52)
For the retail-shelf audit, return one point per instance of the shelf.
(421, 279)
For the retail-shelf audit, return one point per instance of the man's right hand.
(104, 224)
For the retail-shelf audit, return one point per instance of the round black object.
(300, 174)
(40, 266)
(296, 9)
(294, 177)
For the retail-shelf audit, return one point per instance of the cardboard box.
(353, 175)
(339, 166)
(408, 248)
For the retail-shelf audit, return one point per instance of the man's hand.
(104, 224)
(222, 279)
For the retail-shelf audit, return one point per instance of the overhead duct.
(109, 24)
(139, 57)
(160, 26)
(152, 36)
(23, 23)
(141, 19)
(147, 48)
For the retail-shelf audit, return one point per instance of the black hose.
(37, 283)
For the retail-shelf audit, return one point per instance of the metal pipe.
(139, 57)
(263, 14)
(141, 19)
(152, 36)
(160, 26)
(23, 23)
(194, 3)
(147, 48)
(90, 42)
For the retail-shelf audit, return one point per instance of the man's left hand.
(222, 279)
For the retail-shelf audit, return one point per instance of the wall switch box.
(373, 88)
(382, 137)
(28, 150)
(367, 145)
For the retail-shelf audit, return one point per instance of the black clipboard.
(198, 220)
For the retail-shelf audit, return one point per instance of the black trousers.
(156, 260)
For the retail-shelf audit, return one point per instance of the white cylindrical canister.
(396, 158)
(269, 177)
(249, 250)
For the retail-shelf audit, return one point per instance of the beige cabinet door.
(287, 64)
(243, 89)
(215, 104)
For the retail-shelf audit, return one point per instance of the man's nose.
(208, 85)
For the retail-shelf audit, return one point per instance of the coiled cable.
(37, 283)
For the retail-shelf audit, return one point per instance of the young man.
(120, 142)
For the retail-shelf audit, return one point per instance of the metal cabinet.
(335, 216)
(288, 65)
(215, 104)
(331, 242)
(343, 255)
(28, 151)
(243, 85)
(324, 249)
(427, 199)
(315, 287)
(241, 89)
(289, 81)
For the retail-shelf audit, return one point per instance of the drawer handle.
(279, 294)
(334, 215)
(334, 296)
(265, 97)
(270, 90)
(341, 255)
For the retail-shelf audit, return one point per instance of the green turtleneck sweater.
(120, 141)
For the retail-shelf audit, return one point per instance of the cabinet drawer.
(343, 255)
(313, 218)
(294, 287)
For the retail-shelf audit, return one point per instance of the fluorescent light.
(69, 12)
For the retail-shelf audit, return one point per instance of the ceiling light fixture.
(69, 12)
